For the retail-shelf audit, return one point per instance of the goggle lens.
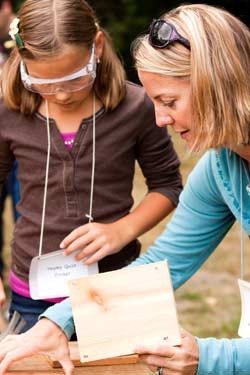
(74, 82)
(73, 85)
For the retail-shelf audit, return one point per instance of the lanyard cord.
(89, 215)
(46, 180)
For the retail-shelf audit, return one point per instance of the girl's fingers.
(76, 233)
(97, 256)
(80, 243)
(91, 249)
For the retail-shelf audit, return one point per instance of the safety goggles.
(70, 83)
(162, 34)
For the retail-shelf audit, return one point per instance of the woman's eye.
(169, 104)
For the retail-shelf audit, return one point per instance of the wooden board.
(75, 357)
(38, 365)
(115, 311)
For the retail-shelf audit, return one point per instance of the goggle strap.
(88, 69)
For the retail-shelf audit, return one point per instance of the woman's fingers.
(174, 360)
(161, 350)
(67, 366)
(153, 361)
(12, 350)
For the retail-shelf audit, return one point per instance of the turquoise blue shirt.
(209, 205)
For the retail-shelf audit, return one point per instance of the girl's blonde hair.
(46, 27)
(218, 67)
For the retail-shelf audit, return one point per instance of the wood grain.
(38, 365)
(115, 311)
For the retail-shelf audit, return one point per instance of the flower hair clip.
(14, 32)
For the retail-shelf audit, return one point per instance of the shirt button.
(84, 126)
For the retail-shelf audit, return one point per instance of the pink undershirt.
(18, 285)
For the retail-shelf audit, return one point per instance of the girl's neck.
(69, 117)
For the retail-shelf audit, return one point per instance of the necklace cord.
(46, 180)
(89, 215)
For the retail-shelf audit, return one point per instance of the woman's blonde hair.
(46, 27)
(218, 67)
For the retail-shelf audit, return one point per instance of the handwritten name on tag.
(49, 274)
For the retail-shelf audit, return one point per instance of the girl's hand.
(95, 241)
(2, 293)
(44, 338)
(174, 360)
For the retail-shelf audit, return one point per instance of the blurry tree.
(17, 4)
(126, 19)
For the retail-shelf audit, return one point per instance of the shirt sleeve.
(61, 314)
(224, 356)
(157, 158)
(199, 223)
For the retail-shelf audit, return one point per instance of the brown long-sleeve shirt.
(124, 135)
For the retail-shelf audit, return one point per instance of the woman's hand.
(44, 338)
(95, 241)
(174, 360)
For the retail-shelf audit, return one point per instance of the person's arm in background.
(160, 166)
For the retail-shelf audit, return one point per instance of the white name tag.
(244, 328)
(49, 274)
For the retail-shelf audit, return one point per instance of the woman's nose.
(163, 119)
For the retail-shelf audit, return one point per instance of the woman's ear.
(99, 44)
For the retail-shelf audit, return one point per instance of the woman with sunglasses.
(195, 65)
(76, 128)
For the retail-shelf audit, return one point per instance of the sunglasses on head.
(162, 34)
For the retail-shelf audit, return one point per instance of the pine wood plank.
(38, 365)
(115, 311)
(75, 357)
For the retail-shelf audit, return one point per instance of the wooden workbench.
(42, 365)
(38, 365)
